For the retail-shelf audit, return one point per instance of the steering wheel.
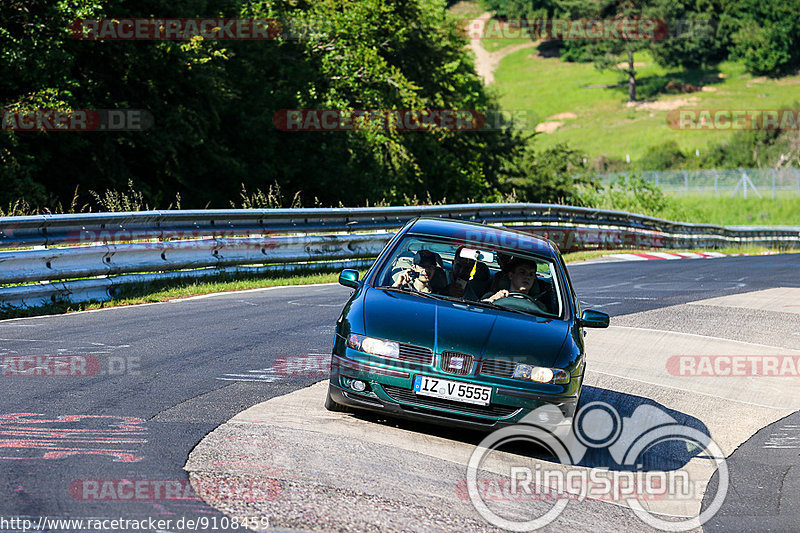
(522, 296)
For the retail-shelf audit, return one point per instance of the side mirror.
(594, 319)
(349, 278)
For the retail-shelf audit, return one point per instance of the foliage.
(633, 194)
(551, 175)
(700, 33)
(115, 201)
(272, 199)
(665, 156)
(766, 149)
(768, 35)
(214, 103)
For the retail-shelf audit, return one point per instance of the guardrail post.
(797, 174)
(744, 182)
(686, 180)
(716, 183)
(774, 191)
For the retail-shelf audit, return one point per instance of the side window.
(576, 305)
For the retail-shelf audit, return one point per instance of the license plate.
(452, 390)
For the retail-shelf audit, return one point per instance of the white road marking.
(306, 304)
(691, 391)
(597, 306)
(776, 299)
(707, 337)
(622, 297)
(250, 377)
(612, 285)
(782, 439)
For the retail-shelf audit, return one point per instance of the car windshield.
(473, 273)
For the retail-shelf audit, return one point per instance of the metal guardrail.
(109, 247)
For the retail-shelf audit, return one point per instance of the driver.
(522, 278)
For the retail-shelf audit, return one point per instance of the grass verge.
(175, 289)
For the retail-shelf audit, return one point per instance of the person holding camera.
(420, 277)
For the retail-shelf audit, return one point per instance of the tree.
(214, 103)
(606, 53)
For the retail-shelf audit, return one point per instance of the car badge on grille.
(456, 363)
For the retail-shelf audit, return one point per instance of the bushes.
(633, 194)
(758, 148)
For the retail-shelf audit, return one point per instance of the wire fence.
(743, 182)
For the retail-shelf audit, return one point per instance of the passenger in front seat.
(425, 275)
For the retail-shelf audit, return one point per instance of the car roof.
(483, 235)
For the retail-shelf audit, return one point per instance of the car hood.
(446, 325)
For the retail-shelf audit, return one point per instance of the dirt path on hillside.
(486, 62)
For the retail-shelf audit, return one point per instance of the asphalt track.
(167, 375)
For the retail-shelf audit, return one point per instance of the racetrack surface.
(181, 369)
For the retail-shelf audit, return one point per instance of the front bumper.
(389, 391)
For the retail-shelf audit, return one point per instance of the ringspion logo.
(597, 426)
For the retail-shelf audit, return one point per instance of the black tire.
(331, 405)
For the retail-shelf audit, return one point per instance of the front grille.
(498, 367)
(408, 396)
(416, 354)
(450, 363)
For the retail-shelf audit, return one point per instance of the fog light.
(358, 385)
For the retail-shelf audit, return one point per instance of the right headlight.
(541, 374)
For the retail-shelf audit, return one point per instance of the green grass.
(734, 211)
(605, 125)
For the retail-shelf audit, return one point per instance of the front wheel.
(331, 405)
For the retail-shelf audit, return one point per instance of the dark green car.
(461, 324)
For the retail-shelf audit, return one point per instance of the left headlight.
(540, 374)
(373, 346)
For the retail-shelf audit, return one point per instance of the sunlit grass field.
(604, 123)
(734, 211)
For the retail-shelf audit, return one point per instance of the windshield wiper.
(411, 291)
(484, 303)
